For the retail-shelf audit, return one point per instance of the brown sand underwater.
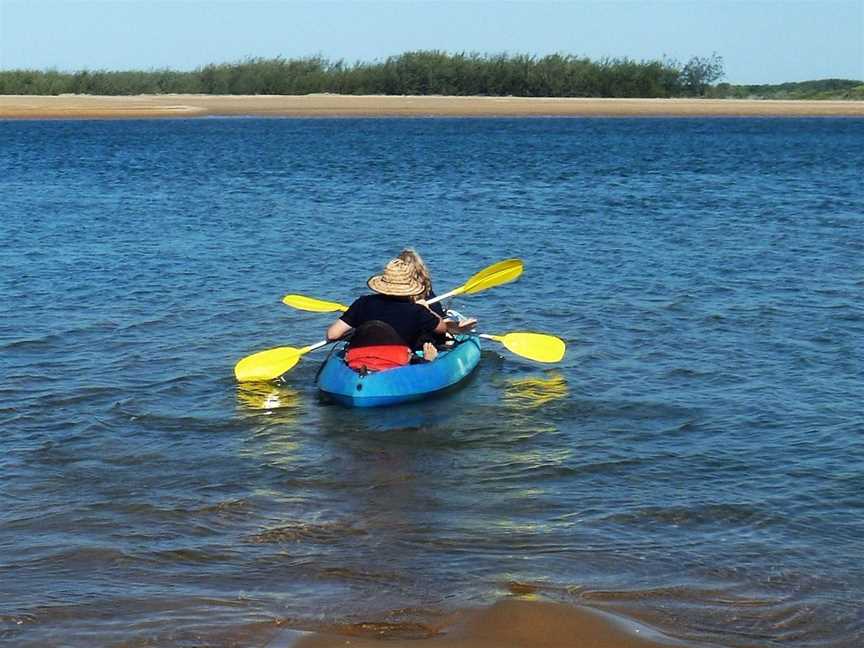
(509, 623)
(326, 105)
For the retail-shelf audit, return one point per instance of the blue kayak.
(401, 385)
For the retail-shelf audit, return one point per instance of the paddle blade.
(534, 346)
(267, 365)
(302, 302)
(496, 274)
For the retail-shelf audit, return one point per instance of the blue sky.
(761, 41)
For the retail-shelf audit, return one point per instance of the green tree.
(700, 72)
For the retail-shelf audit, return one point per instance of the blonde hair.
(421, 272)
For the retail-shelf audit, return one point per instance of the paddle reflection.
(273, 413)
(271, 398)
(532, 392)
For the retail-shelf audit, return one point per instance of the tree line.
(412, 73)
(845, 89)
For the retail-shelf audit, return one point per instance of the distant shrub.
(815, 90)
(429, 72)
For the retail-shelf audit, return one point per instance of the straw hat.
(397, 280)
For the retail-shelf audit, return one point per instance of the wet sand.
(509, 623)
(324, 105)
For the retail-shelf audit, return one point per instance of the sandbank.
(509, 623)
(327, 105)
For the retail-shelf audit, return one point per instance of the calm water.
(697, 459)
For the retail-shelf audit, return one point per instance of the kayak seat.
(378, 357)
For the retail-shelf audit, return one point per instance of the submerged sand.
(509, 623)
(326, 105)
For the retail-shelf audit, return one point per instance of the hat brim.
(382, 287)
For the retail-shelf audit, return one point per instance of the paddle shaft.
(447, 295)
(317, 345)
(342, 308)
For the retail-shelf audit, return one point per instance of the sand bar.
(326, 105)
(509, 623)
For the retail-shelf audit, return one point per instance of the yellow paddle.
(496, 274)
(302, 302)
(272, 363)
(534, 346)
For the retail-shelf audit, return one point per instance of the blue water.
(697, 459)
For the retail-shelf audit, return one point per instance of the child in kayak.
(415, 261)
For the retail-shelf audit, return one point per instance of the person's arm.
(337, 329)
(347, 321)
(432, 322)
(445, 324)
(441, 327)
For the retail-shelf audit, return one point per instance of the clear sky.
(761, 41)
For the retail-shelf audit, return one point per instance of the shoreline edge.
(331, 105)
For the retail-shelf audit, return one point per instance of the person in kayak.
(415, 262)
(389, 324)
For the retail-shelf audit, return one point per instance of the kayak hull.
(401, 385)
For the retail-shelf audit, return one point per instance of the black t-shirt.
(410, 320)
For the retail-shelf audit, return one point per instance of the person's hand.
(462, 326)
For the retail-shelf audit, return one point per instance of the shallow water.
(696, 461)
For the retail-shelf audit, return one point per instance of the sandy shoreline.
(146, 106)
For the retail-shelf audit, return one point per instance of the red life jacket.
(378, 358)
